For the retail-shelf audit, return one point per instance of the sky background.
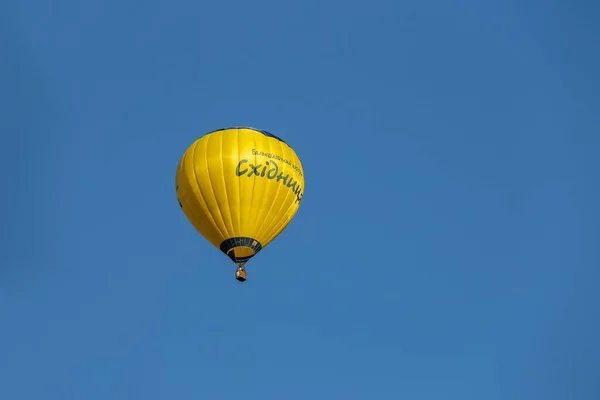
(447, 242)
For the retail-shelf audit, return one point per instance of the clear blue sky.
(446, 246)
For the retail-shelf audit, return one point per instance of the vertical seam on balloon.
(276, 227)
(252, 207)
(183, 194)
(209, 212)
(200, 201)
(262, 199)
(265, 197)
(239, 208)
(288, 216)
(225, 186)
(212, 190)
(266, 228)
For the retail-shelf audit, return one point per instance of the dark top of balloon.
(266, 133)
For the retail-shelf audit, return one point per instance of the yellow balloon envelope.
(240, 187)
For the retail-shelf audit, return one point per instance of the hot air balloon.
(239, 187)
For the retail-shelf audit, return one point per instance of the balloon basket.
(240, 274)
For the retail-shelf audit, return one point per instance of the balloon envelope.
(240, 187)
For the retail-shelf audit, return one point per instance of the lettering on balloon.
(279, 158)
(270, 170)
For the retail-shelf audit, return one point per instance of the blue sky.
(446, 246)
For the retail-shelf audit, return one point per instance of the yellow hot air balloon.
(240, 187)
